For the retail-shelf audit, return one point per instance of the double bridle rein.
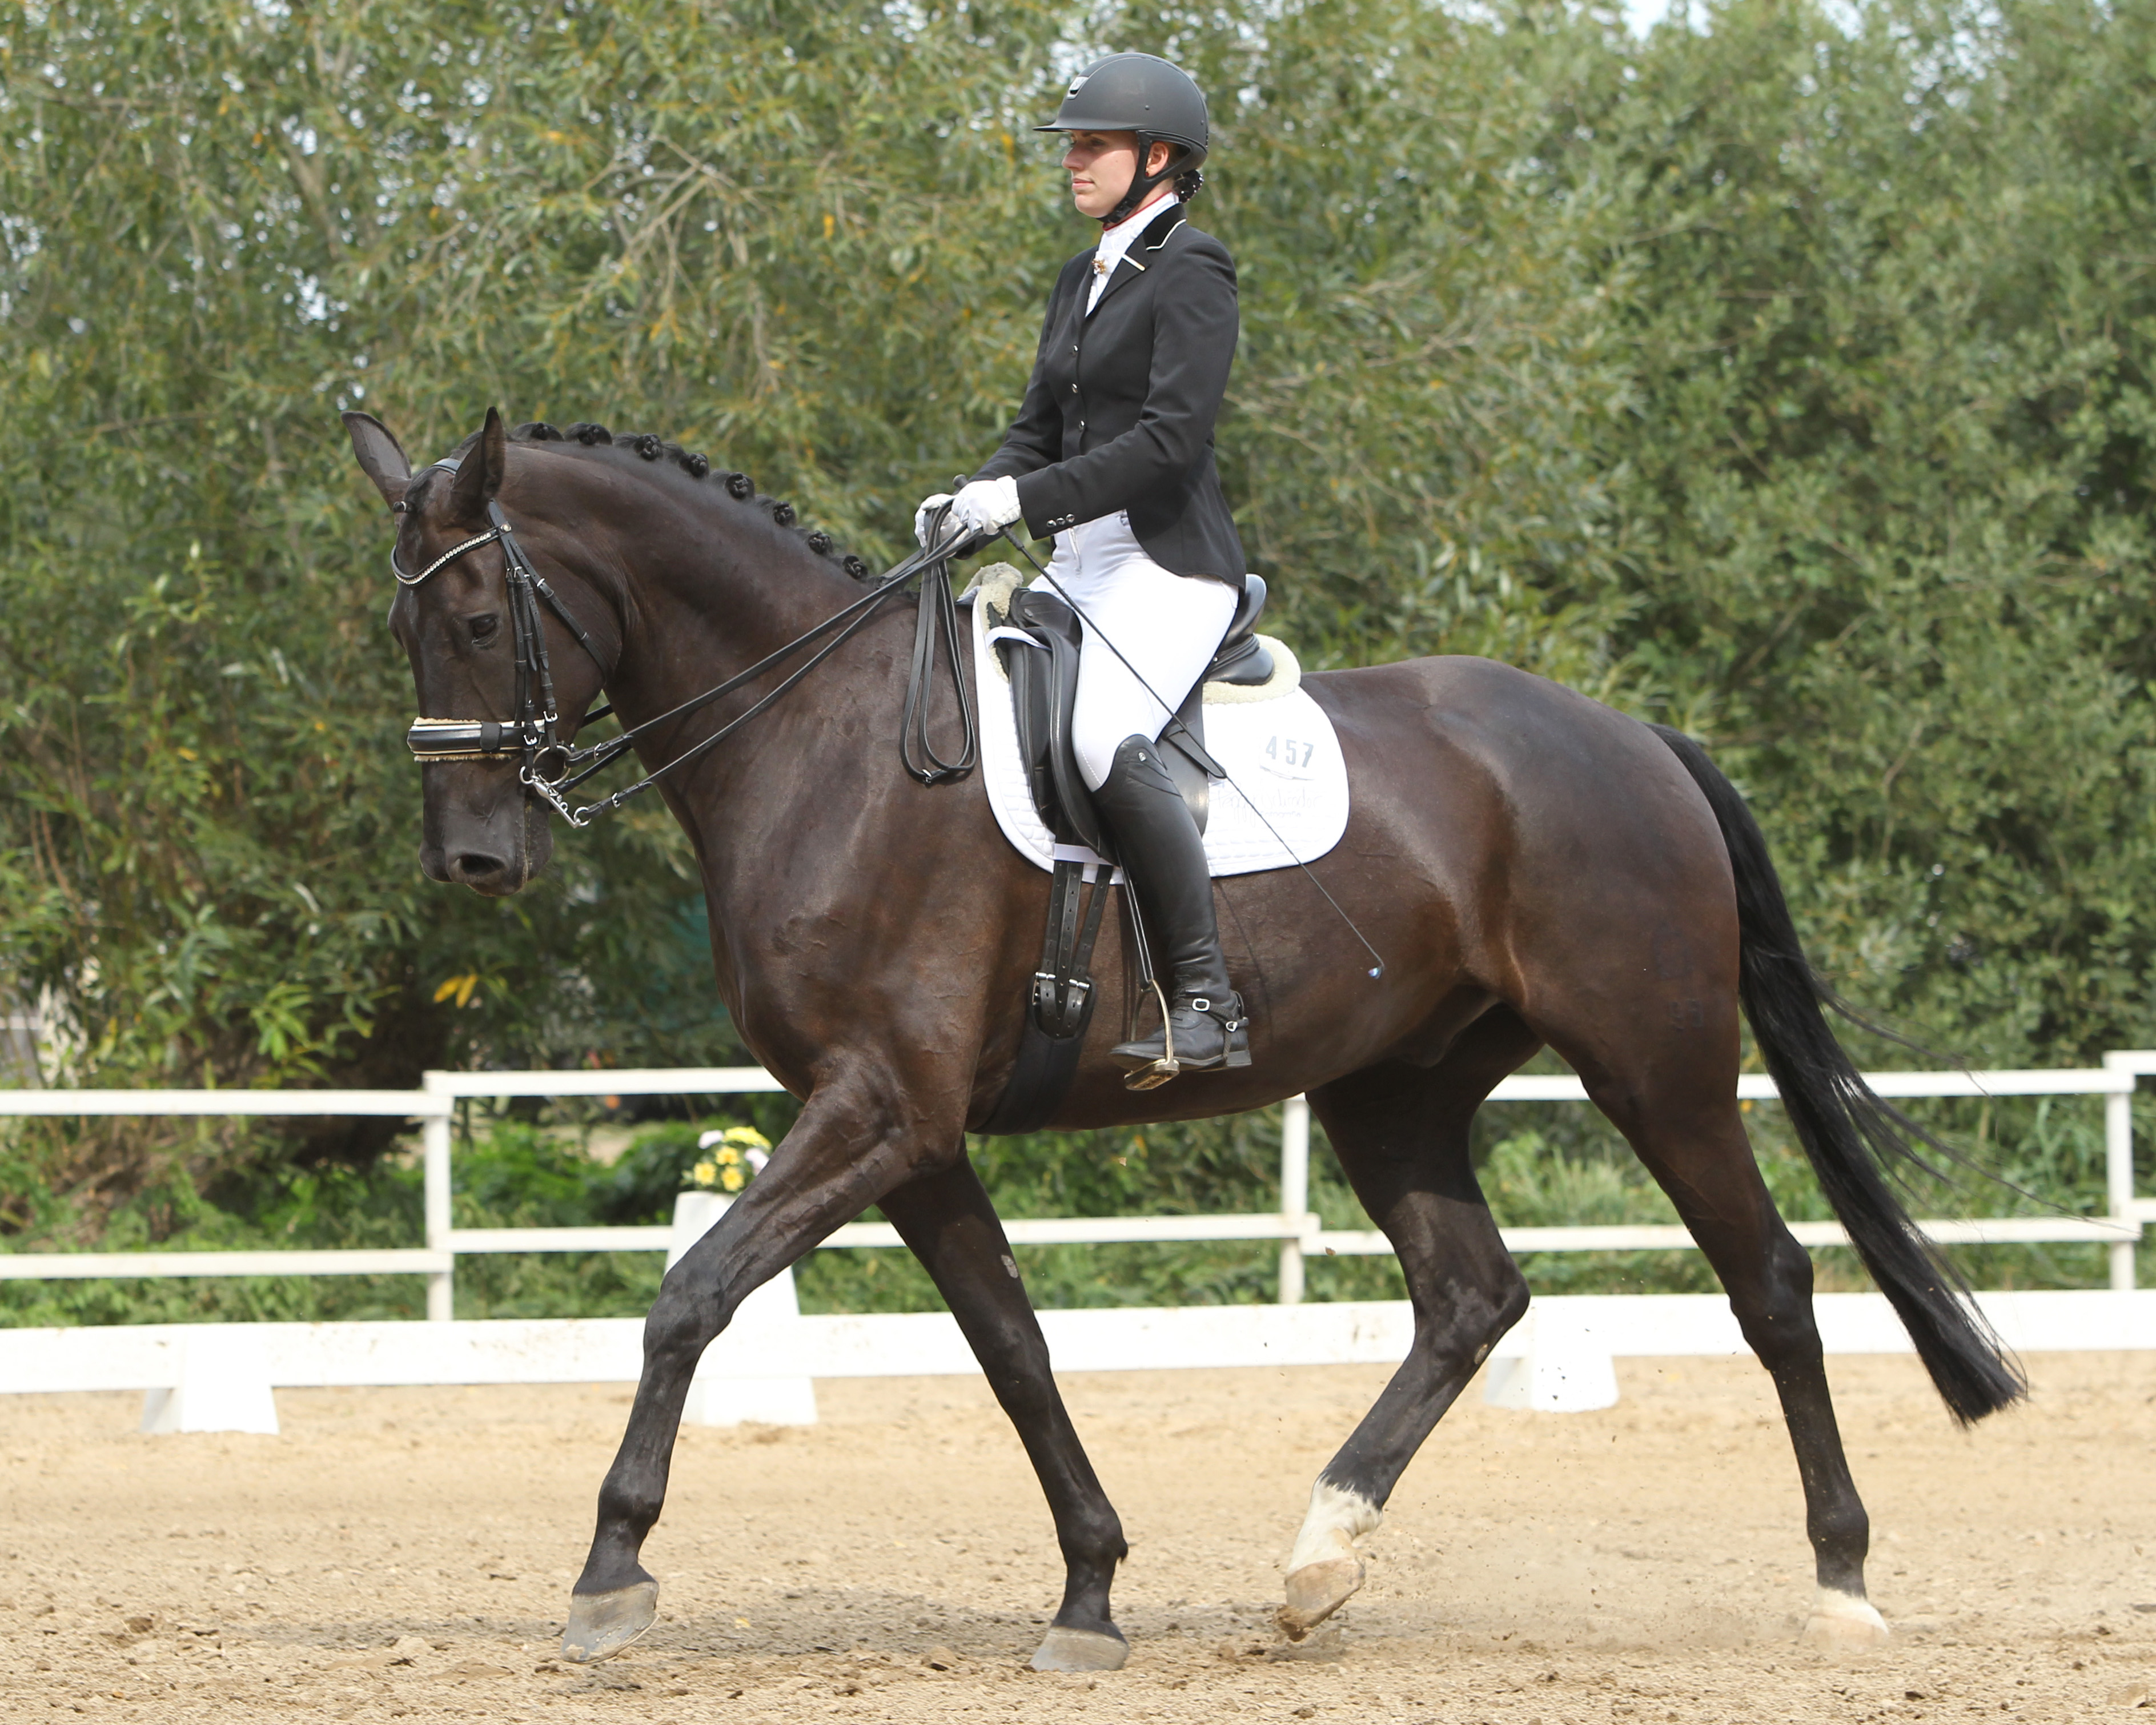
(551, 768)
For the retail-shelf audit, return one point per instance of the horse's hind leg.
(1401, 1134)
(947, 1220)
(1687, 1129)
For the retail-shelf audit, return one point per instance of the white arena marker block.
(1565, 1369)
(223, 1386)
(716, 1398)
(751, 1401)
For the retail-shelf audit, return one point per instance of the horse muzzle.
(481, 828)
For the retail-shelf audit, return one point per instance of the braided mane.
(738, 486)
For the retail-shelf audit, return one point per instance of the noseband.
(551, 768)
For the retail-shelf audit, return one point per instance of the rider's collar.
(1116, 242)
(1125, 231)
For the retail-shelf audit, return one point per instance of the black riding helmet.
(1149, 95)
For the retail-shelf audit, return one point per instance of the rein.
(534, 733)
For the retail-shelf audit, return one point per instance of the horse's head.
(458, 618)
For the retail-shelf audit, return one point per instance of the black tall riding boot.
(1163, 857)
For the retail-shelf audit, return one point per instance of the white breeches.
(1168, 626)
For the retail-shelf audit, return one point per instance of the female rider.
(1112, 452)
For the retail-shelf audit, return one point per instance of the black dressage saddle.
(1043, 673)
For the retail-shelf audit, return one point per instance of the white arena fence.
(220, 1376)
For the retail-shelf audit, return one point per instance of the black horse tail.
(1849, 1134)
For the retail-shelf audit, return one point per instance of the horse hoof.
(1076, 1650)
(602, 1624)
(1844, 1623)
(1315, 1592)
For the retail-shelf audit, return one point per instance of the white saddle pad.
(1282, 758)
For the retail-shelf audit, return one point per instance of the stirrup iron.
(1167, 1066)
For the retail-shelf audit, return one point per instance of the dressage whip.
(1378, 964)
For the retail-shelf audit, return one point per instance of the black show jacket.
(1119, 413)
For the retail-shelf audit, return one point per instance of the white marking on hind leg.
(1323, 1570)
(1337, 1518)
(1844, 1623)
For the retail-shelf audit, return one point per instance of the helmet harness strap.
(1141, 182)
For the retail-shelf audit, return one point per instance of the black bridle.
(551, 768)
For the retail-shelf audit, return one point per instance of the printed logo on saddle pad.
(1282, 758)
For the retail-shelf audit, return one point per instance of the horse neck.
(702, 600)
(695, 621)
(700, 587)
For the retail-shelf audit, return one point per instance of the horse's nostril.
(470, 867)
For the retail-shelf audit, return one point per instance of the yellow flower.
(728, 1156)
(703, 1173)
(732, 1180)
(747, 1137)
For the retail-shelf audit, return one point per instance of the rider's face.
(1102, 164)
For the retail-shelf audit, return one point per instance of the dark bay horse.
(1537, 868)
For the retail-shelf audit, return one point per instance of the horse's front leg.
(946, 1218)
(850, 1147)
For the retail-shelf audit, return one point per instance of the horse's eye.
(485, 627)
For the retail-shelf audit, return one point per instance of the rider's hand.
(928, 506)
(987, 506)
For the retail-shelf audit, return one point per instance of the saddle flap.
(1184, 755)
(1044, 693)
(1040, 642)
(1243, 658)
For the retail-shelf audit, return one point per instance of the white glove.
(987, 505)
(921, 515)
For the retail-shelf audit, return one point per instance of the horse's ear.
(380, 455)
(479, 476)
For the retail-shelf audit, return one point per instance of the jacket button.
(1074, 389)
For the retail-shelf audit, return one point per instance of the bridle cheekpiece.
(534, 733)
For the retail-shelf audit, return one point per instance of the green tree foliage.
(1781, 376)
(225, 222)
(1884, 475)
